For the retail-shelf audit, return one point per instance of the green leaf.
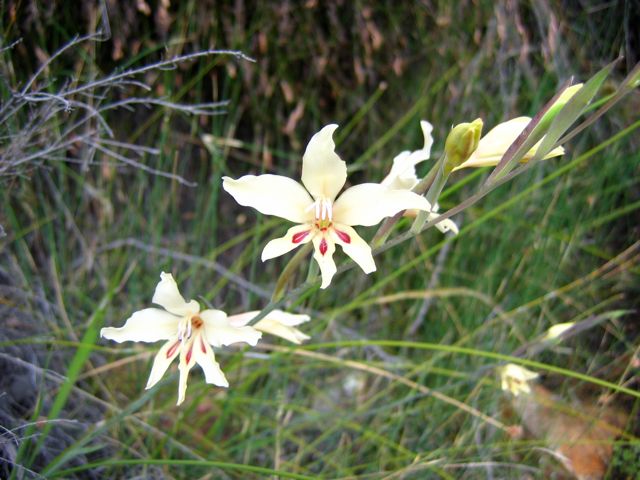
(571, 111)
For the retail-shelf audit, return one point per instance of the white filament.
(323, 208)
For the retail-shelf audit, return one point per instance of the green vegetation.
(398, 380)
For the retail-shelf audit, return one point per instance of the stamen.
(298, 237)
(328, 208)
(342, 235)
(323, 246)
(317, 208)
(173, 349)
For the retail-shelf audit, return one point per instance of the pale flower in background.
(402, 175)
(515, 379)
(321, 218)
(276, 322)
(189, 333)
(496, 142)
(558, 329)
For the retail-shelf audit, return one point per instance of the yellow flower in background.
(515, 379)
(188, 332)
(322, 217)
(558, 329)
(495, 143)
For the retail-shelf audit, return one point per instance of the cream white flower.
(321, 218)
(189, 333)
(557, 330)
(277, 322)
(496, 142)
(402, 175)
(515, 379)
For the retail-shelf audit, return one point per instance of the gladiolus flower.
(321, 218)
(402, 176)
(515, 379)
(189, 333)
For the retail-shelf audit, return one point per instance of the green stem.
(289, 270)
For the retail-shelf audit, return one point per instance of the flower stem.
(289, 270)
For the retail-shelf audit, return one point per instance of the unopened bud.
(461, 143)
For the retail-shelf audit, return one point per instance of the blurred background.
(107, 179)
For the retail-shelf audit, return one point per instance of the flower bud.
(461, 143)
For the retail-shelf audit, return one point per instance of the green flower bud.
(461, 143)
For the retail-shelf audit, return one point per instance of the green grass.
(398, 380)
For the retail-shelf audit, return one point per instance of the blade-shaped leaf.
(531, 135)
(571, 111)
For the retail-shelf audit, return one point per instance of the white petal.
(218, 331)
(444, 226)
(273, 327)
(322, 243)
(323, 172)
(402, 175)
(367, 204)
(168, 296)
(162, 360)
(271, 195)
(285, 318)
(148, 325)
(187, 361)
(241, 319)
(276, 322)
(294, 237)
(354, 246)
(207, 360)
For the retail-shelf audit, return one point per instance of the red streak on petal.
(172, 349)
(298, 237)
(188, 358)
(343, 236)
(323, 246)
(202, 347)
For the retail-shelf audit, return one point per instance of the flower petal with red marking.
(162, 361)
(295, 236)
(356, 247)
(323, 254)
